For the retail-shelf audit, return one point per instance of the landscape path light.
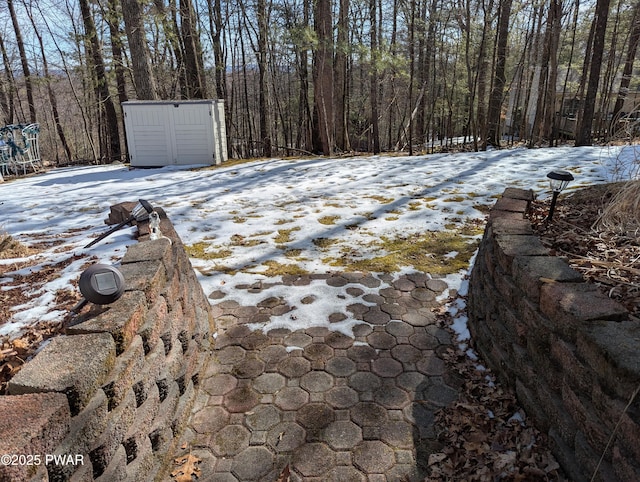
(558, 180)
(101, 284)
(139, 213)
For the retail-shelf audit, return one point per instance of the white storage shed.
(163, 133)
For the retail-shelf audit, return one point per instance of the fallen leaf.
(436, 458)
(285, 476)
(187, 468)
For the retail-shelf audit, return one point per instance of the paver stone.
(314, 459)
(341, 366)
(342, 435)
(373, 457)
(252, 463)
(291, 398)
(230, 441)
(342, 397)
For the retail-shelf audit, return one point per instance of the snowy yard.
(251, 221)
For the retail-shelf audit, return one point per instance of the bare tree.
(24, 61)
(192, 51)
(143, 77)
(373, 100)
(341, 91)
(323, 79)
(263, 90)
(53, 100)
(483, 76)
(497, 92)
(8, 92)
(216, 27)
(583, 130)
(625, 81)
(110, 147)
(546, 101)
(113, 18)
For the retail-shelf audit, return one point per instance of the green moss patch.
(201, 251)
(278, 269)
(293, 253)
(284, 235)
(239, 240)
(328, 220)
(381, 199)
(429, 252)
(324, 242)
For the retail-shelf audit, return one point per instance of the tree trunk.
(576, 13)
(546, 101)
(549, 126)
(494, 115)
(610, 72)
(113, 20)
(375, 129)
(632, 48)
(422, 69)
(52, 96)
(216, 24)
(305, 129)
(465, 26)
(412, 62)
(481, 81)
(583, 134)
(342, 134)
(143, 77)
(193, 62)
(263, 92)
(323, 79)
(8, 103)
(110, 149)
(25, 62)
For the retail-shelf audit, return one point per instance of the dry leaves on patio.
(485, 435)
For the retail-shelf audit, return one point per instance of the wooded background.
(323, 76)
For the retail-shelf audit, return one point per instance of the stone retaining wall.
(569, 351)
(110, 395)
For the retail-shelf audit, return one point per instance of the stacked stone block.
(116, 388)
(569, 351)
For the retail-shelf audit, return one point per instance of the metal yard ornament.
(139, 213)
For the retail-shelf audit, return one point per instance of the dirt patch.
(607, 254)
(18, 291)
(10, 248)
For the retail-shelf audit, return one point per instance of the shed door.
(193, 127)
(149, 136)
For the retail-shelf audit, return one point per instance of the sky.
(245, 217)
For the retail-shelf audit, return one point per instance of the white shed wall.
(161, 133)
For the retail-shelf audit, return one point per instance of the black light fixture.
(139, 213)
(101, 284)
(558, 180)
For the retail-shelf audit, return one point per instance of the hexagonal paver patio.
(327, 406)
